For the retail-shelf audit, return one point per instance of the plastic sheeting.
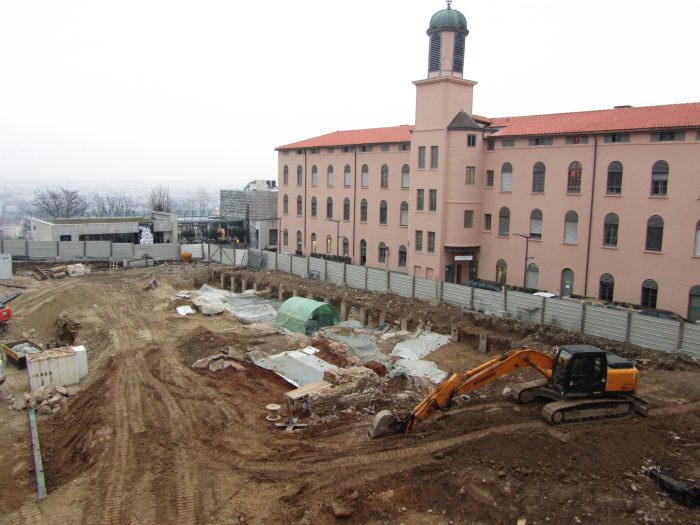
(305, 315)
(420, 346)
(297, 367)
(417, 368)
(362, 346)
(249, 308)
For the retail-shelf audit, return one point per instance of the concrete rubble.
(356, 387)
(45, 399)
(228, 357)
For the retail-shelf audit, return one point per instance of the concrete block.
(454, 335)
(404, 325)
(382, 317)
(483, 342)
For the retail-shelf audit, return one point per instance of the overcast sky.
(145, 92)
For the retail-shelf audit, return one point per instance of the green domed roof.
(449, 19)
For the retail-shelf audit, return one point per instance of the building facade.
(256, 204)
(601, 204)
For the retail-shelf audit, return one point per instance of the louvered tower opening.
(434, 57)
(458, 61)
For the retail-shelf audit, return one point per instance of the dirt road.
(149, 440)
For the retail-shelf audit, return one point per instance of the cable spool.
(273, 410)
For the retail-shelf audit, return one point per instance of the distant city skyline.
(135, 94)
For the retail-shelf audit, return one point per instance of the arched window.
(346, 209)
(402, 256)
(314, 175)
(383, 213)
(504, 221)
(507, 177)
(329, 176)
(434, 55)
(697, 238)
(533, 277)
(614, 178)
(606, 288)
(298, 241)
(347, 175)
(610, 229)
(285, 237)
(314, 243)
(538, 177)
(285, 175)
(299, 205)
(285, 205)
(363, 252)
(403, 217)
(405, 176)
(346, 247)
(329, 244)
(571, 227)
(384, 181)
(365, 176)
(382, 253)
(655, 233)
(573, 181)
(314, 207)
(501, 271)
(536, 224)
(300, 175)
(363, 210)
(329, 208)
(659, 178)
(650, 291)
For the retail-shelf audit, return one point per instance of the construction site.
(187, 418)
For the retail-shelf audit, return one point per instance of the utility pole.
(527, 243)
(337, 233)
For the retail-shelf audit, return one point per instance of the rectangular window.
(285, 152)
(612, 138)
(487, 222)
(468, 218)
(471, 174)
(649, 297)
(489, 178)
(541, 141)
(490, 145)
(347, 149)
(330, 150)
(433, 157)
(610, 235)
(365, 149)
(471, 141)
(420, 198)
(384, 147)
(614, 183)
(300, 152)
(432, 200)
(431, 242)
(508, 143)
(406, 146)
(419, 240)
(576, 139)
(315, 151)
(421, 157)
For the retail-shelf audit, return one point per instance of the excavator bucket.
(385, 423)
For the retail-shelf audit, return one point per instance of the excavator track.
(526, 392)
(574, 411)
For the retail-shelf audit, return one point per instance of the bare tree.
(99, 205)
(202, 198)
(59, 203)
(118, 205)
(160, 199)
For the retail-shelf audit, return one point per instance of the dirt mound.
(202, 342)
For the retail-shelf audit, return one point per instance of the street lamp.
(527, 243)
(337, 233)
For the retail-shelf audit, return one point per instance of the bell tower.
(447, 32)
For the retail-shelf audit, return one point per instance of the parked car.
(663, 314)
(485, 285)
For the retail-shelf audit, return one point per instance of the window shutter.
(697, 241)
(656, 136)
(570, 231)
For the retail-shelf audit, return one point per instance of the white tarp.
(420, 346)
(184, 310)
(297, 367)
(248, 307)
(418, 368)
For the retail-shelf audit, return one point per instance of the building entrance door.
(694, 304)
(567, 282)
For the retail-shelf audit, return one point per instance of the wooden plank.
(304, 391)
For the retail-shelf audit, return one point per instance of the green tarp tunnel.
(305, 315)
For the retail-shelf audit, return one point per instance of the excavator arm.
(386, 422)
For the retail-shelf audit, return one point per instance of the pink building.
(601, 204)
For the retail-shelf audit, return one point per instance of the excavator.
(582, 383)
(5, 312)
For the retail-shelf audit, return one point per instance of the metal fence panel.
(269, 262)
(160, 252)
(318, 265)
(401, 284)
(71, 249)
(608, 324)
(15, 247)
(299, 266)
(456, 294)
(98, 249)
(228, 256)
(239, 256)
(122, 250)
(284, 261)
(563, 314)
(42, 249)
(691, 339)
(254, 261)
(487, 301)
(335, 273)
(376, 280)
(197, 250)
(524, 306)
(355, 276)
(657, 334)
(425, 289)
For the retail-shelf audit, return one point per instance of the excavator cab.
(579, 370)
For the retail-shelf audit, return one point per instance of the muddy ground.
(149, 440)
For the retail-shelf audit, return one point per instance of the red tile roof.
(354, 137)
(672, 116)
